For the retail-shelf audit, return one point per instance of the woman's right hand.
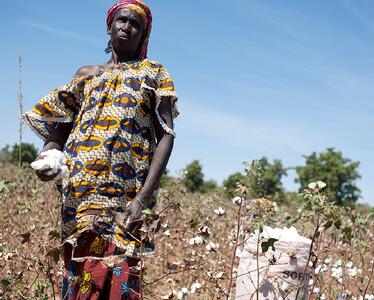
(43, 174)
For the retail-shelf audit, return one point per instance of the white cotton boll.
(283, 285)
(316, 290)
(322, 297)
(338, 263)
(321, 184)
(205, 230)
(237, 200)
(211, 246)
(320, 269)
(54, 160)
(312, 185)
(352, 272)
(197, 240)
(194, 287)
(40, 164)
(337, 273)
(219, 211)
(182, 293)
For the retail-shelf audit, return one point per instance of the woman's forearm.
(57, 139)
(159, 161)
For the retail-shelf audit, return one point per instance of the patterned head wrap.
(143, 11)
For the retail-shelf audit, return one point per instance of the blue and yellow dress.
(110, 147)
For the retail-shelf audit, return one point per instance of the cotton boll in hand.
(53, 160)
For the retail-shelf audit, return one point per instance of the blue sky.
(254, 78)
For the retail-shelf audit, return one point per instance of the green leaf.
(338, 224)
(24, 237)
(147, 212)
(193, 223)
(5, 282)
(3, 186)
(328, 224)
(347, 235)
(268, 244)
(55, 254)
(54, 234)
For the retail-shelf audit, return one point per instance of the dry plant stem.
(249, 272)
(31, 285)
(323, 264)
(50, 278)
(171, 273)
(368, 284)
(141, 277)
(257, 289)
(20, 105)
(258, 264)
(314, 239)
(233, 256)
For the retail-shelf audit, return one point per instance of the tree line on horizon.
(339, 173)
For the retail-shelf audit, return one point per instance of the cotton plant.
(352, 271)
(196, 241)
(167, 232)
(238, 200)
(205, 230)
(337, 271)
(211, 246)
(219, 211)
(183, 293)
(195, 287)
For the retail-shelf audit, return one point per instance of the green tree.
(208, 186)
(265, 178)
(339, 173)
(231, 183)
(29, 153)
(5, 154)
(193, 177)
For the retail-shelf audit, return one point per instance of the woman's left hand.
(134, 209)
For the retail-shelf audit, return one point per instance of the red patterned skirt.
(89, 277)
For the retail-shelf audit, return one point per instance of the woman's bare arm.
(165, 143)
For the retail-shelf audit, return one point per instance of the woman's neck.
(118, 58)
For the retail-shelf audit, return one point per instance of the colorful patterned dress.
(108, 154)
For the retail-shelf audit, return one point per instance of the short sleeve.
(59, 106)
(163, 86)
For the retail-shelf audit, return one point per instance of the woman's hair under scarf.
(144, 12)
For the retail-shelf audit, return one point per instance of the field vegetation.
(203, 230)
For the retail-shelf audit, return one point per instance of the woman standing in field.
(114, 123)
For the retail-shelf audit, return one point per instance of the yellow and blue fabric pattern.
(110, 148)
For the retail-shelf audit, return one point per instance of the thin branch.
(172, 273)
(234, 250)
(368, 284)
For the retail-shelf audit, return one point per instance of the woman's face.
(126, 31)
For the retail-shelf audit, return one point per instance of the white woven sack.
(280, 271)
